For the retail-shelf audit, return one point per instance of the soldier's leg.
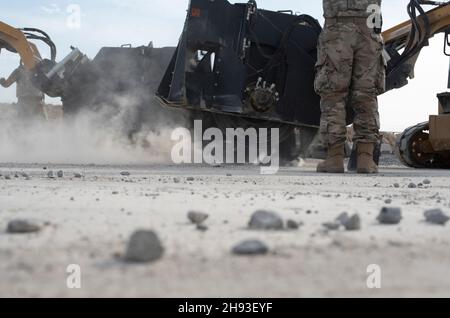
(31, 108)
(367, 83)
(333, 79)
(38, 109)
(22, 108)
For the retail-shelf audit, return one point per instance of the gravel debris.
(144, 247)
(22, 227)
(390, 216)
(250, 247)
(436, 216)
(292, 225)
(332, 226)
(202, 228)
(265, 220)
(197, 217)
(354, 223)
(343, 218)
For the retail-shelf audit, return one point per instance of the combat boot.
(335, 161)
(366, 165)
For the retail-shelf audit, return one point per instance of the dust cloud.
(103, 136)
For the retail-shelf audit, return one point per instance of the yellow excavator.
(16, 40)
(125, 72)
(426, 145)
(48, 75)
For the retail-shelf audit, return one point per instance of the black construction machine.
(247, 67)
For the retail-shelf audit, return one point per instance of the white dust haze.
(91, 137)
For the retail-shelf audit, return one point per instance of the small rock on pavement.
(426, 182)
(292, 225)
(202, 228)
(197, 217)
(190, 179)
(250, 247)
(353, 224)
(125, 173)
(343, 218)
(176, 180)
(412, 186)
(50, 174)
(436, 216)
(60, 174)
(144, 247)
(22, 227)
(77, 175)
(332, 226)
(265, 220)
(390, 216)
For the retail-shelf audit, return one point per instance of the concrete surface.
(89, 220)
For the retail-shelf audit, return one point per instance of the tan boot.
(335, 161)
(366, 165)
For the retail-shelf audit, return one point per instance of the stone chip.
(22, 227)
(265, 220)
(390, 216)
(436, 216)
(354, 223)
(144, 247)
(250, 247)
(197, 217)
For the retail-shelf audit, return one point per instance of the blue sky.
(137, 22)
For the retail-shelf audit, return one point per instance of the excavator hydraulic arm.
(405, 41)
(52, 78)
(15, 40)
(439, 20)
(426, 145)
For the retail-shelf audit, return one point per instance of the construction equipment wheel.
(411, 145)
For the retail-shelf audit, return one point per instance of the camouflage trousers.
(351, 72)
